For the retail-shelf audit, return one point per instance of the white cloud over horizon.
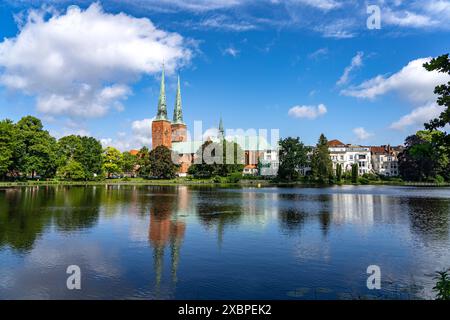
(81, 63)
(361, 133)
(417, 117)
(141, 135)
(412, 83)
(308, 112)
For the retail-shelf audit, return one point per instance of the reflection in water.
(166, 228)
(265, 243)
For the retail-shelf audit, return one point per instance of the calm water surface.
(140, 242)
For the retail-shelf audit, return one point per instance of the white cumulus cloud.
(308, 112)
(81, 62)
(418, 117)
(413, 82)
(361, 133)
(141, 135)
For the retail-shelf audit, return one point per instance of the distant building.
(348, 155)
(385, 160)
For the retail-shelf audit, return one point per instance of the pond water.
(151, 242)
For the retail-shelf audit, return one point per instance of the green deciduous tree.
(161, 164)
(441, 64)
(87, 151)
(72, 170)
(112, 161)
(424, 157)
(338, 172)
(35, 151)
(129, 162)
(355, 173)
(321, 164)
(7, 138)
(293, 155)
(143, 161)
(91, 157)
(218, 158)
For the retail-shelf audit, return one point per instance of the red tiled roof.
(335, 143)
(134, 152)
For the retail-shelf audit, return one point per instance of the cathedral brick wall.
(179, 133)
(161, 134)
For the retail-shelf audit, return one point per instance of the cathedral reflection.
(167, 229)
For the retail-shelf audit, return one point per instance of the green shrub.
(234, 177)
(364, 180)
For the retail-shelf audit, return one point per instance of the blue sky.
(301, 66)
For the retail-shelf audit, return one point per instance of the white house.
(385, 160)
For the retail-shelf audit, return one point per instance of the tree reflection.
(429, 218)
(26, 213)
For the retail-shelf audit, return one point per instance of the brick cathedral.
(167, 133)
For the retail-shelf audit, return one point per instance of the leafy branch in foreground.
(442, 287)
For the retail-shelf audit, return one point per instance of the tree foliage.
(35, 150)
(161, 164)
(424, 158)
(7, 138)
(218, 159)
(72, 170)
(112, 161)
(441, 64)
(338, 172)
(355, 173)
(129, 162)
(321, 164)
(292, 155)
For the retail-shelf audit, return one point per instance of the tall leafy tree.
(355, 173)
(143, 162)
(36, 150)
(161, 164)
(7, 138)
(91, 157)
(424, 157)
(129, 162)
(441, 64)
(292, 155)
(112, 161)
(338, 172)
(321, 164)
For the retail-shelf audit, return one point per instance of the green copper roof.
(162, 107)
(178, 113)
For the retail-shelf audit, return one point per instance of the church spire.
(178, 113)
(221, 130)
(162, 107)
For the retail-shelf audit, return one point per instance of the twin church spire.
(162, 104)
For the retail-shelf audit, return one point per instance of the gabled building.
(385, 160)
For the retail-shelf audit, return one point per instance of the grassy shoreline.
(206, 182)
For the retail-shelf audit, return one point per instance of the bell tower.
(161, 127)
(179, 131)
